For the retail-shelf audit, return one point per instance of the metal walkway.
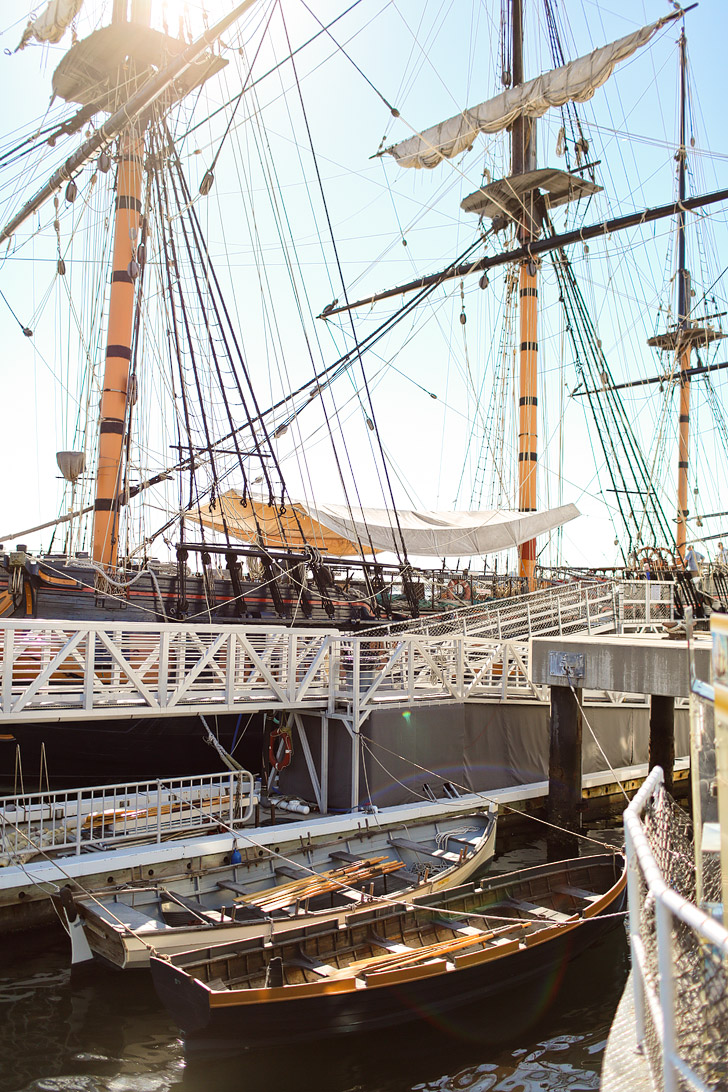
(56, 671)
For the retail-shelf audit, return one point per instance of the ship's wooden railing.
(79, 820)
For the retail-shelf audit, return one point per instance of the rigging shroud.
(336, 529)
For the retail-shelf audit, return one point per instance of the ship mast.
(686, 333)
(523, 159)
(97, 72)
(525, 198)
(683, 296)
(115, 390)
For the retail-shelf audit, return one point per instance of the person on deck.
(721, 557)
(692, 560)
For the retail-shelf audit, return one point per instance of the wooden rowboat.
(279, 888)
(391, 964)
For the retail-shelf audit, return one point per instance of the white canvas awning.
(573, 82)
(442, 534)
(337, 530)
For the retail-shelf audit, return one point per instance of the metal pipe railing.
(670, 905)
(78, 819)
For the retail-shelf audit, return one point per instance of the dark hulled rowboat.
(393, 964)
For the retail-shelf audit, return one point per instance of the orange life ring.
(458, 589)
(285, 758)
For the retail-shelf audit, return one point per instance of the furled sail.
(256, 521)
(336, 530)
(52, 23)
(573, 82)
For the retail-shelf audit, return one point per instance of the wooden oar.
(284, 890)
(116, 815)
(276, 898)
(395, 960)
(340, 873)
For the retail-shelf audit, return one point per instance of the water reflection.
(107, 1033)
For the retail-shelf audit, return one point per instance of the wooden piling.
(564, 799)
(662, 735)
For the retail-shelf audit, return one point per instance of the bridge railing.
(57, 670)
(77, 820)
(414, 667)
(579, 607)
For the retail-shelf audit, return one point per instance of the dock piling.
(564, 799)
(662, 735)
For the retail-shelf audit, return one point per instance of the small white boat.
(275, 889)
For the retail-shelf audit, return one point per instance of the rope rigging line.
(367, 744)
(243, 90)
(392, 109)
(221, 311)
(612, 423)
(357, 351)
(254, 83)
(174, 334)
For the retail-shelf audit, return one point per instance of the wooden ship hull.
(393, 964)
(275, 893)
(75, 592)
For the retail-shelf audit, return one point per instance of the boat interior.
(471, 924)
(278, 887)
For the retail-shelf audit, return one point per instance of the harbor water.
(110, 1034)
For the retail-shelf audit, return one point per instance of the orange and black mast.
(523, 159)
(686, 333)
(115, 390)
(684, 344)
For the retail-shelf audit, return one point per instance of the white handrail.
(75, 820)
(660, 1004)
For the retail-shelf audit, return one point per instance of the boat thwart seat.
(545, 913)
(417, 847)
(578, 893)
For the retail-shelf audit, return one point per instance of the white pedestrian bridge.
(59, 670)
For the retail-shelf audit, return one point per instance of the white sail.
(52, 23)
(573, 82)
(441, 534)
(337, 529)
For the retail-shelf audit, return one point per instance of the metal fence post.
(89, 670)
(663, 920)
(8, 668)
(292, 667)
(230, 661)
(78, 822)
(159, 812)
(163, 669)
(634, 901)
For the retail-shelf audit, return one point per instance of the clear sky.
(346, 215)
